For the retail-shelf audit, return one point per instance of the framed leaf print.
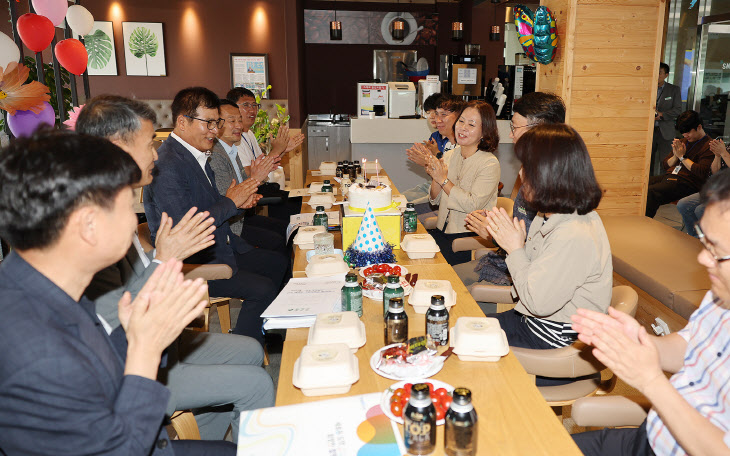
(144, 48)
(100, 47)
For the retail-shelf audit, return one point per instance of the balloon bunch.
(537, 33)
(26, 104)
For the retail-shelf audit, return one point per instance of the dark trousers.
(660, 148)
(203, 448)
(265, 232)
(663, 190)
(614, 442)
(257, 282)
(517, 331)
(444, 242)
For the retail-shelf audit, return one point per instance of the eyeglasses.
(249, 105)
(513, 128)
(211, 124)
(710, 248)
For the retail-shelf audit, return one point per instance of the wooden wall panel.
(606, 70)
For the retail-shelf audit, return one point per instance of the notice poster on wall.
(250, 71)
(466, 76)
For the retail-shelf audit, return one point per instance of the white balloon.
(80, 20)
(9, 51)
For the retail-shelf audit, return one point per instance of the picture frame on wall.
(144, 48)
(99, 45)
(250, 71)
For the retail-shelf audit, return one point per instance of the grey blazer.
(224, 173)
(670, 105)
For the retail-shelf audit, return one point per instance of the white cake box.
(420, 298)
(322, 199)
(325, 369)
(326, 265)
(479, 339)
(328, 168)
(316, 187)
(419, 246)
(338, 328)
(305, 237)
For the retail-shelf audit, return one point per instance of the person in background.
(535, 108)
(668, 107)
(686, 168)
(690, 206)
(564, 262)
(67, 387)
(468, 181)
(258, 230)
(419, 194)
(230, 365)
(689, 413)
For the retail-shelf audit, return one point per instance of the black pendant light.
(398, 32)
(494, 34)
(457, 30)
(335, 28)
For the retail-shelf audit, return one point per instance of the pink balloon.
(24, 123)
(55, 10)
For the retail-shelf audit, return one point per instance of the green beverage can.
(320, 217)
(410, 219)
(352, 295)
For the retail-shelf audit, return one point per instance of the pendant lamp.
(335, 29)
(457, 27)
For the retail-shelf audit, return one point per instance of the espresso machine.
(463, 75)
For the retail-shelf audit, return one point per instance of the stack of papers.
(301, 300)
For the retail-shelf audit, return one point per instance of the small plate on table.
(433, 370)
(388, 393)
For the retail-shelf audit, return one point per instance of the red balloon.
(36, 31)
(72, 55)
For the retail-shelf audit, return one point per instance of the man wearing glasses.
(186, 180)
(689, 412)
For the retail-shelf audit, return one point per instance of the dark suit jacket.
(62, 385)
(670, 105)
(222, 167)
(182, 184)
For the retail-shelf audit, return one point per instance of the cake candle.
(364, 169)
(377, 171)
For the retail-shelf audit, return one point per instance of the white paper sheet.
(304, 297)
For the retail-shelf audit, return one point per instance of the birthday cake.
(359, 195)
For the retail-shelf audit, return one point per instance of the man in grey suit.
(668, 108)
(260, 231)
(216, 375)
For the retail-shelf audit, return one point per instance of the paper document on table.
(306, 219)
(304, 297)
(346, 426)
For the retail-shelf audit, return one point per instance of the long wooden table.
(514, 419)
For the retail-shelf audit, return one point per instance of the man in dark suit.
(67, 387)
(668, 107)
(186, 180)
(258, 230)
(228, 365)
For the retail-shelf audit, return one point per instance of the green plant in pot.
(266, 128)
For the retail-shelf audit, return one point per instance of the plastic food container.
(419, 246)
(311, 253)
(479, 339)
(338, 328)
(328, 168)
(325, 369)
(305, 236)
(420, 298)
(326, 265)
(316, 187)
(322, 199)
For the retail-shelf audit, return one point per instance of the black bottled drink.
(396, 323)
(437, 321)
(338, 170)
(419, 422)
(460, 431)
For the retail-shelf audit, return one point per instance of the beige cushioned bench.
(658, 259)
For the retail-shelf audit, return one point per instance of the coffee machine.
(463, 75)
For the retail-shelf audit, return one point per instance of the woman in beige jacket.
(565, 262)
(470, 179)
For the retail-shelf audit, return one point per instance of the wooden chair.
(184, 424)
(203, 271)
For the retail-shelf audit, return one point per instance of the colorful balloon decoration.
(36, 31)
(537, 33)
(17, 96)
(55, 10)
(80, 20)
(9, 51)
(72, 55)
(24, 123)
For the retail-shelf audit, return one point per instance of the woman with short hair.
(565, 262)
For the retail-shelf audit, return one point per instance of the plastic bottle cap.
(393, 279)
(410, 205)
(326, 182)
(320, 208)
(350, 277)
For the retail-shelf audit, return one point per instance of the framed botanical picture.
(250, 71)
(100, 47)
(144, 48)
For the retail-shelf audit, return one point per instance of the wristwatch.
(682, 158)
(444, 182)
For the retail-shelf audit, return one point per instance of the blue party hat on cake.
(369, 246)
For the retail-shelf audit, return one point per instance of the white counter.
(388, 139)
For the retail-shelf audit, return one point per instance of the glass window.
(713, 79)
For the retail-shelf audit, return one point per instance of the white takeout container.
(328, 168)
(420, 298)
(316, 187)
(322, 199)
(338, 328)
(418, 246)
(305, 236)
(479, 339)
(311, 253)
(325, 369)
(326, 265)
